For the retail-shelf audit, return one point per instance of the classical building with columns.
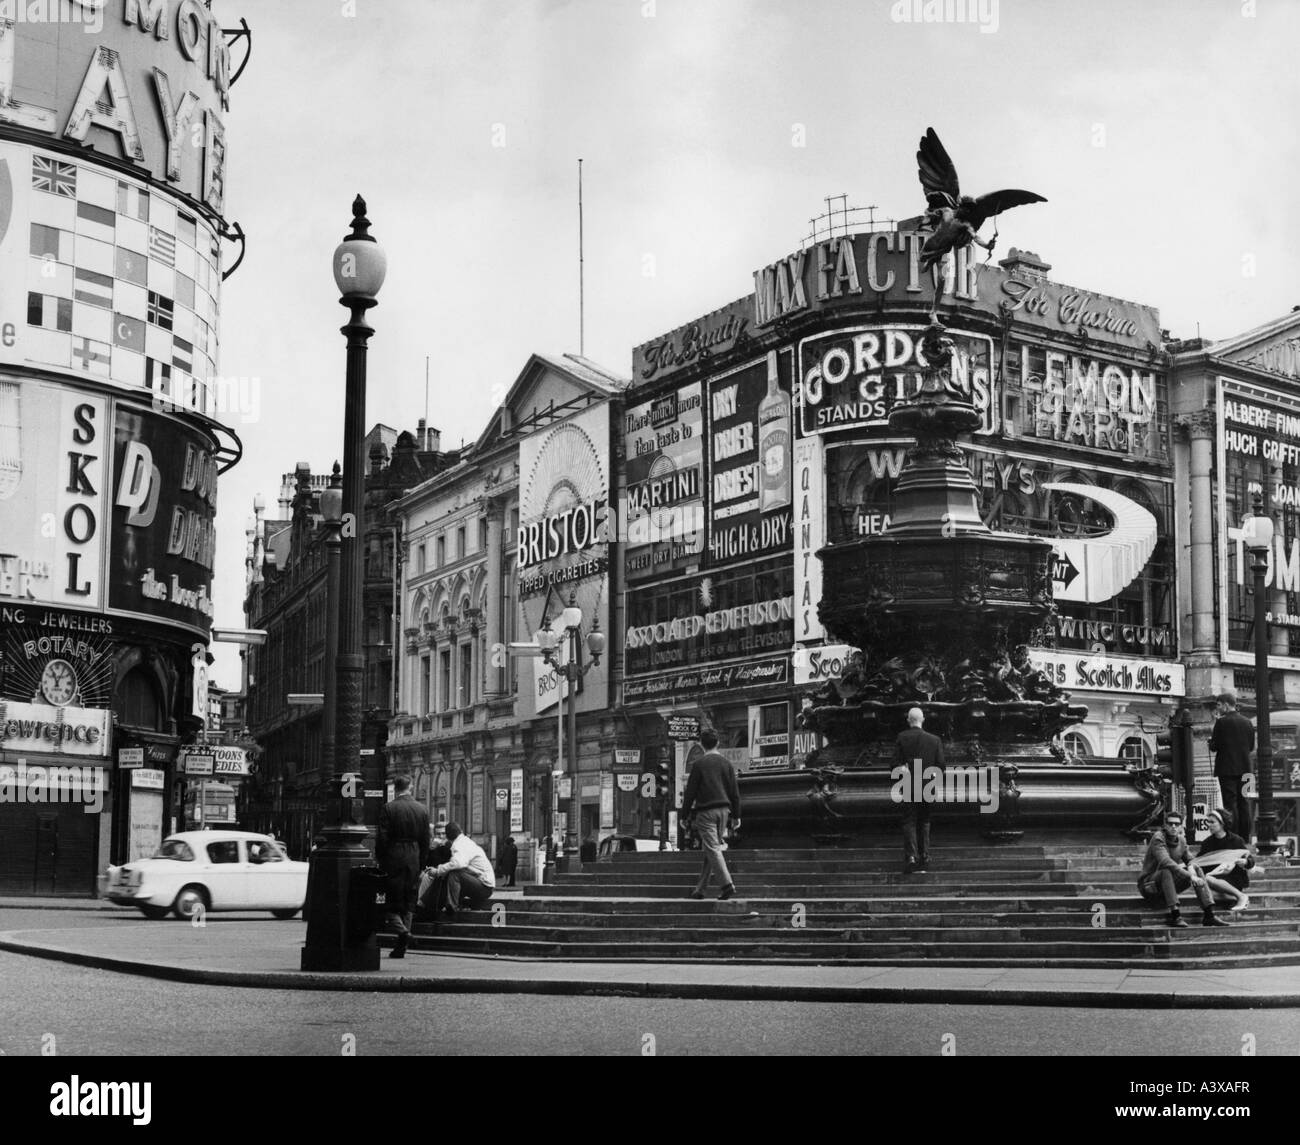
(1237, 410)
(477, 727)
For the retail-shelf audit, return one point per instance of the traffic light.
(1174, 751)
(663, 774)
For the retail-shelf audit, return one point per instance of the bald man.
(917, 748)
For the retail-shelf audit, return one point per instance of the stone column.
(1200, 428)
(495, 674)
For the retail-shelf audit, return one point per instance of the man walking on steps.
(713, 797)
(920, 749)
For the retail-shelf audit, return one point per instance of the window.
(441, 553)
(1135, 748)
(444, 680)
(460, 542)
(175, 849)
(227, 852)
(420, 559)
(426, 697)
(482, 535)
(466, 680)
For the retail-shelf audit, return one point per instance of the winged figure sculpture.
(954, 219)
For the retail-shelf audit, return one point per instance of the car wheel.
(153, 912)
(190, 900)
(288, 912)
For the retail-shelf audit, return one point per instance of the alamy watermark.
(88, 13)
(53, 783)
(981, 12)
(972, 783)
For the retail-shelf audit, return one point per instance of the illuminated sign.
(882, 267)
(1111, 673)
(721, 331)
(61, 730)
(852, 378)
(810, 535)
(53, 484)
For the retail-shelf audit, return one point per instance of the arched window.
(1135, 748)
(138, 705)
(460, 799)
(1076, 746)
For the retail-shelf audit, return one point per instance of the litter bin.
(367, 901)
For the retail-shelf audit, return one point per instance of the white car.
(212, 870)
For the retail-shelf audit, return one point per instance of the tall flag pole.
(582, 328)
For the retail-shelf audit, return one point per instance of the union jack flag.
(55, 177)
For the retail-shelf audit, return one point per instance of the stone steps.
(978, 906)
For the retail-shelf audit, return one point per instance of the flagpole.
(582, 331)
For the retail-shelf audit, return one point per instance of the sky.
(711, 132)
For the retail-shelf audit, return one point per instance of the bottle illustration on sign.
(774, 443)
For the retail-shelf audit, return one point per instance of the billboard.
(852, 377)
(663, 507)
(564, 543)
(709, 618)
(49, 656)
(103, 277)
(1113, 576)
(750, 467)
(163, 518)
(54, 472)
(1258, 453)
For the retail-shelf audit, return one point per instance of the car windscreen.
(175, 849)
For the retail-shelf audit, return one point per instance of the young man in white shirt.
(468, 873)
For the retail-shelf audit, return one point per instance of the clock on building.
(58, 683)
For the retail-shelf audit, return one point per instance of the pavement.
(254, 951)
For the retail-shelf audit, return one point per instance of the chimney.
(1025, 263)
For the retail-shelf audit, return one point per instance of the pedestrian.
(1168, 870)
(467, 876)
(1232, 741)
(917, 748)
(1232, 881)
(509, 860)
(402, 848)
(587, 852)
(712, 799)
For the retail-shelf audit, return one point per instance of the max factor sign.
(887, 264)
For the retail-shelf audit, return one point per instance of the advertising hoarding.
(163, 514)
(104, 277)
(852, 377)
(54, 484)
(663, 507)
(564, 543)
(1258, 444)
(750, 470)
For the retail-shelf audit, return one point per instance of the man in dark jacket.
(509, 860)
(1232, 741)
(402, 848)
(921, 749)
(712, 798)
(1168, 870)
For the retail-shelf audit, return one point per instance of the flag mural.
(96, 246)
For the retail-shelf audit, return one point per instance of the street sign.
(628, 780)
(503, 798)
(683, 728)
(627, 755)
(198, 763)
(367, 751)
(130, 757)
(148, 779)
(373, 792)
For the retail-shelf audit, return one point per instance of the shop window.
(138, 705)
(1076, 747)
(1135, 748)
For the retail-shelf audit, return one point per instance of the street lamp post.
(571, 671)
(360, 265)
(1257, 533)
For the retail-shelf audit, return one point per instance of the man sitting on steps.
(1167, 871)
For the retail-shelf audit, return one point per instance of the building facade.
(286, 596)
(111, 265)
(479, 726)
